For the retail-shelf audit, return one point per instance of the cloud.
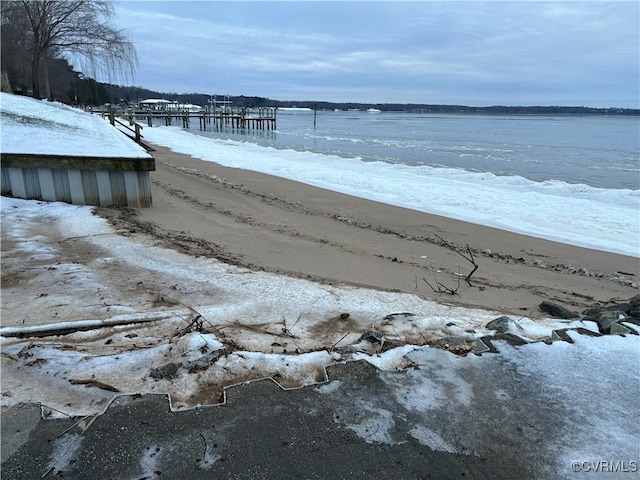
(551, 52)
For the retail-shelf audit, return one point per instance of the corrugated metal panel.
(46, 184)
(6, 181)
(32, 183)
(75, 186)
(104, 188)
(16, 179)
(138, 189)
(61, 185)
(118, 191)
(79, 187)
(90, 187)
(144, 181)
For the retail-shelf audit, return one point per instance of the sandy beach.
(276, 225)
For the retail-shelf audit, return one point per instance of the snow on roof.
(155, 101)
(31, 126)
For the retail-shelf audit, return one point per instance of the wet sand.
(277, 225)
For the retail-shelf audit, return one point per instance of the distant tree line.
(126, 95)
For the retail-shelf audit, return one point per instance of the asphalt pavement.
(330, 431)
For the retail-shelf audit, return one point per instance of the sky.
(578, 53)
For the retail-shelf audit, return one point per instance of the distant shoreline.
(118, 91)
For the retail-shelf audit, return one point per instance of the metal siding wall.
(6, 181)
(144, 181)
(75, 187)
(90, 187)
(79, 187)
(16, 180)
(133, 189)
(32, 183)
(118, 191)
(46, 184)
(104, 188)
(61, 185)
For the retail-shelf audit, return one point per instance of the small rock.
(604, 319)
(500, 324)
(557, 311)
(452, 341)
(204, 362)
(635, 301)
(166, 371)
(344, 316)
(389, 343)
(346, 349)
(620, 307)
(592, 311)
(371, 337)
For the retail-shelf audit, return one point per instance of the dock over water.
(263, 118)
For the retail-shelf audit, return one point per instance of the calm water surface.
(600, 151)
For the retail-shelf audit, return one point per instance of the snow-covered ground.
(270, 325)
(51, 128)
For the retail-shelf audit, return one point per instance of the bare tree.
(81, 29)
(15, 41)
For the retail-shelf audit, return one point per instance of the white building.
(157, 104)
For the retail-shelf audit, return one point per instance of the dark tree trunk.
(35, 75)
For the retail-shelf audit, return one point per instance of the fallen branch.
(93, 383)
(255, 329)
(468, 257)
(442, 288)
(65, 328)
(195, 322)
(73, 426)
(341, 338)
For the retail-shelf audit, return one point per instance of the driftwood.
(468, 256)
(66, 328)
(93, 383)
(442, 288)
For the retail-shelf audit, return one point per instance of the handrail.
(135, 131)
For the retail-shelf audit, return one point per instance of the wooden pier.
(263, 118)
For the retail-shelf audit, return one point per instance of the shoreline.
(270, 223)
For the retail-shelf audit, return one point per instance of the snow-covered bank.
(49, 128)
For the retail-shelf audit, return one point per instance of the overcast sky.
(471, 53)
